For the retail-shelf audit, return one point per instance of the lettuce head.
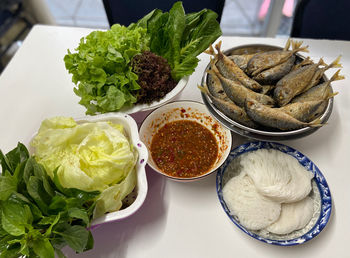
(89, 156)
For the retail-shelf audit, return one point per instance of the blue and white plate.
(320, 194)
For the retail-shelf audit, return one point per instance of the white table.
(177, 219)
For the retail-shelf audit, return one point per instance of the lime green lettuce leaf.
(101, 68)
(89, 156)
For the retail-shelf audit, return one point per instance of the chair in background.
(11, 12)
(125, 12)
(322, 19)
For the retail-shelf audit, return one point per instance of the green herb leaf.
(43, 248)
(54, 222)
(11, 252)
(90, 242)
(59, 253)
(76, 237)
(36, 190)
(22, 200)
(79, 214)
(14, 217)
(16, 156)
(8, 185)
(58, 203)
(5, 164)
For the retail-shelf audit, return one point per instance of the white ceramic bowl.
(137, 197)
(185, 110)
(155, 104)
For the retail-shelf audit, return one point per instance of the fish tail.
(300, 49)
(210, 51)
(211, 71)
(306, 61)
(335, 63)
(218, 46)
(296, 44)
(331, 95)
(321, 62)
(315, 123)
(204, 89)
(286, 47)
(337, 77)
(219, 55)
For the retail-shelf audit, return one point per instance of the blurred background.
(256, 18)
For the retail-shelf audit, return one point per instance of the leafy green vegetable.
(180, 37)
(89, 156)
(76, 236)
(101, 70)
(35, 215)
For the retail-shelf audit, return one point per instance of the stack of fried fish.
(270, 89)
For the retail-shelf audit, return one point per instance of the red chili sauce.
(184, 149)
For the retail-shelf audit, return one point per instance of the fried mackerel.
(275, 118)
(231, 71)
(227, 107)
(273, 74)
(236, 91)
(241, 60)
(265, 60)
(320, 91)
(300, 80)
(304, 111)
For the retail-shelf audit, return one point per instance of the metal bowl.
(263, 133)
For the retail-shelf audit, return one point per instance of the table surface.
(177, 219)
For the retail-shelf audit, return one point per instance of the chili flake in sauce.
(184, 149)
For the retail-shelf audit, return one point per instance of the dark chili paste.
(184, 149)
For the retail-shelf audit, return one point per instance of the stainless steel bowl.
(266, 134)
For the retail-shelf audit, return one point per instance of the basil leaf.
(43, 248)
(90, 243)
(15, 217)
(59, 253)
(58, 203)
(12, 228)
(40, 172)
(79, 214)
(4, 242)
(16, 156)
(22, 200)
(8, 185)
(5, 164)
(48, 231)
(12, 252)
(76, 237)
(28, 169)
(37, 192)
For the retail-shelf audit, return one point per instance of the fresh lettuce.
(101, 68)
(180, 37)
(90, 157)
